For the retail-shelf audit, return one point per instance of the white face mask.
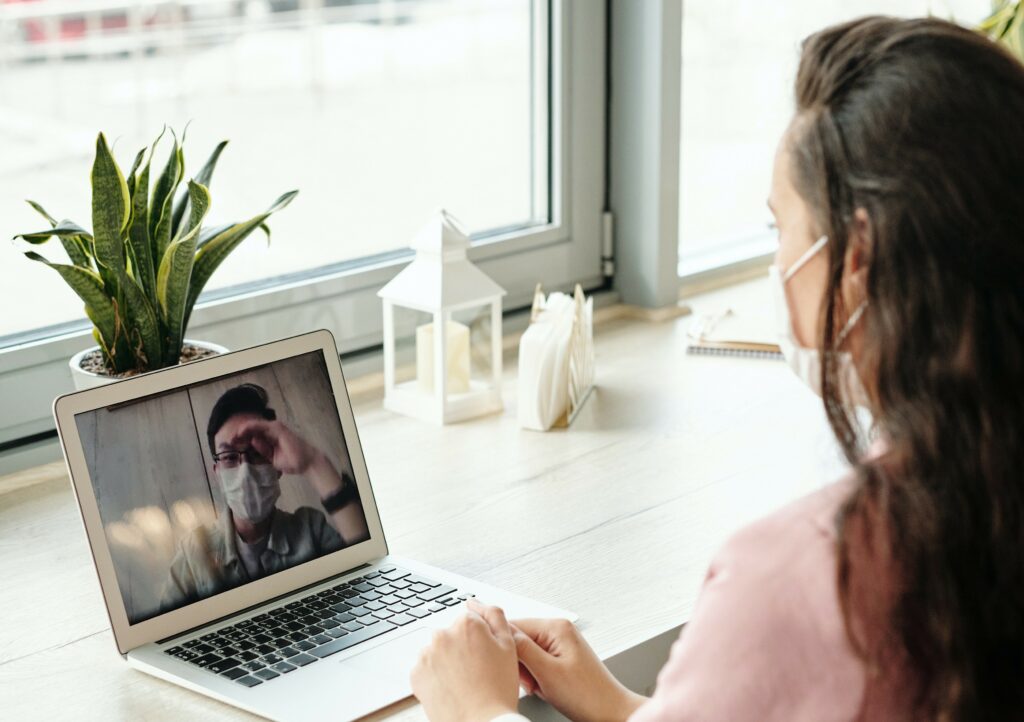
(806, 362)
(251, 491)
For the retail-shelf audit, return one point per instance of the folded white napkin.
(544, 352)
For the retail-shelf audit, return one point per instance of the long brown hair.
(921, 124)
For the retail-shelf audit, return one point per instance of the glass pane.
(378, 111)
(739, 64)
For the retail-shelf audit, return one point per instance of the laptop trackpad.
(393, 661)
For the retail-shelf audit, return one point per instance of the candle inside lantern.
(457, 351)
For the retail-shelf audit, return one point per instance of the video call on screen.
(202, 489)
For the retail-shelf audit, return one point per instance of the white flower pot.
(87, 380)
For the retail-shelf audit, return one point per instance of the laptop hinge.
(263, 603)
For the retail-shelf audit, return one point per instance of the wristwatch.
(345, 495)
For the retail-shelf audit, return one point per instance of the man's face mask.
(250, 490)
(806, 362)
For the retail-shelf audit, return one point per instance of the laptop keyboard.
(271, 644)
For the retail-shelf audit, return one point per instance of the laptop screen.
(211, 486)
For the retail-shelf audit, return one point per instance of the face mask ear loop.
(808, 255)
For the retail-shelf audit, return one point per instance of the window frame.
(342, 297)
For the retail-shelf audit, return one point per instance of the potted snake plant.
(145, 262)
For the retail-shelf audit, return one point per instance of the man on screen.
(251, 451)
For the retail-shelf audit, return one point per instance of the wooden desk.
(616, 518)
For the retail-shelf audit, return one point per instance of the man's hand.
(558, 665)
(469, 671)
(287, 451)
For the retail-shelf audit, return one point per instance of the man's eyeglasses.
(231, 459)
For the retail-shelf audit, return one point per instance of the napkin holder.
(575, 375)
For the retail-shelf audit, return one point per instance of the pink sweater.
(767, 640)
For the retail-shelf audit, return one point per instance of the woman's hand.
(562, 669)
(469, 672)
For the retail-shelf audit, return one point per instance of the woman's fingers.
(494, 616)
(531, 627)
(531, 655)
(527, 681)
(545, 632)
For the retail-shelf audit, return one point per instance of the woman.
(898, 592)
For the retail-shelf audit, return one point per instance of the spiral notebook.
(732, 334)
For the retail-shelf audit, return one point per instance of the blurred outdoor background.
(378, 112)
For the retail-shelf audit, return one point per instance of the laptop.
(238, 545)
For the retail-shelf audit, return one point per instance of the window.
(378, 111)
(739, 64)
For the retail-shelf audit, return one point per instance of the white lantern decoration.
(440, 281)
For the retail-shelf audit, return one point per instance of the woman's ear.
(858, 255)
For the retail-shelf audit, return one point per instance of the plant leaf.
(89, 287)
(111, 208)
(41, 211)
(138, 234)
(998, 23)
(104, 349)
(162, 202)
(77, 249)
(217, 248)
(120, 357)
(173, 279)
(142, 318)
(1015, 33)
(109, 276)
(205, 174)
(64, 229)
(210, 232)
(135, 167)
(75, 240)
(203, 177)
